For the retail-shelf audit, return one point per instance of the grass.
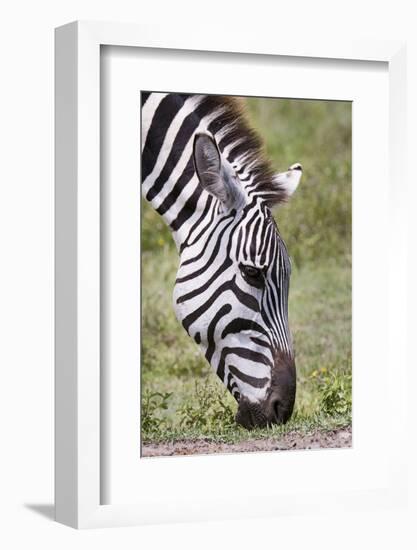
(181, 396)
(189, 401)
(317, 221)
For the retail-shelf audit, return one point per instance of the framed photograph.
(225, 325)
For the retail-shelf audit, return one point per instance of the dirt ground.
(333, 439)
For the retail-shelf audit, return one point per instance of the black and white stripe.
(203, 171)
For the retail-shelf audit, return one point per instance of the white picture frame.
(78, 321)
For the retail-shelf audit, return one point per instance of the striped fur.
(204, 172)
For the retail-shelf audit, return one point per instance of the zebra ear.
(215, 174)
(287, 182)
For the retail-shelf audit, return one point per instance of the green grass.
(181, 396)
(196, 402)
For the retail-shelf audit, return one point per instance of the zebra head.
(231, 291)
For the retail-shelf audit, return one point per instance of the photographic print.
(245, 274)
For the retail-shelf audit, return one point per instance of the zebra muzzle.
(273, 410)
(278, 406)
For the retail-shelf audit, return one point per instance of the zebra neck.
(169, 181)
(181, 204)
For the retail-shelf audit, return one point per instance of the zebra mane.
(234, 133)
(226, 119)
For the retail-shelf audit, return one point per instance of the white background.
(26, 291)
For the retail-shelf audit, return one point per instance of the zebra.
(204, 171)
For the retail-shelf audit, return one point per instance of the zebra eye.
(252, 275)
(251, 271)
